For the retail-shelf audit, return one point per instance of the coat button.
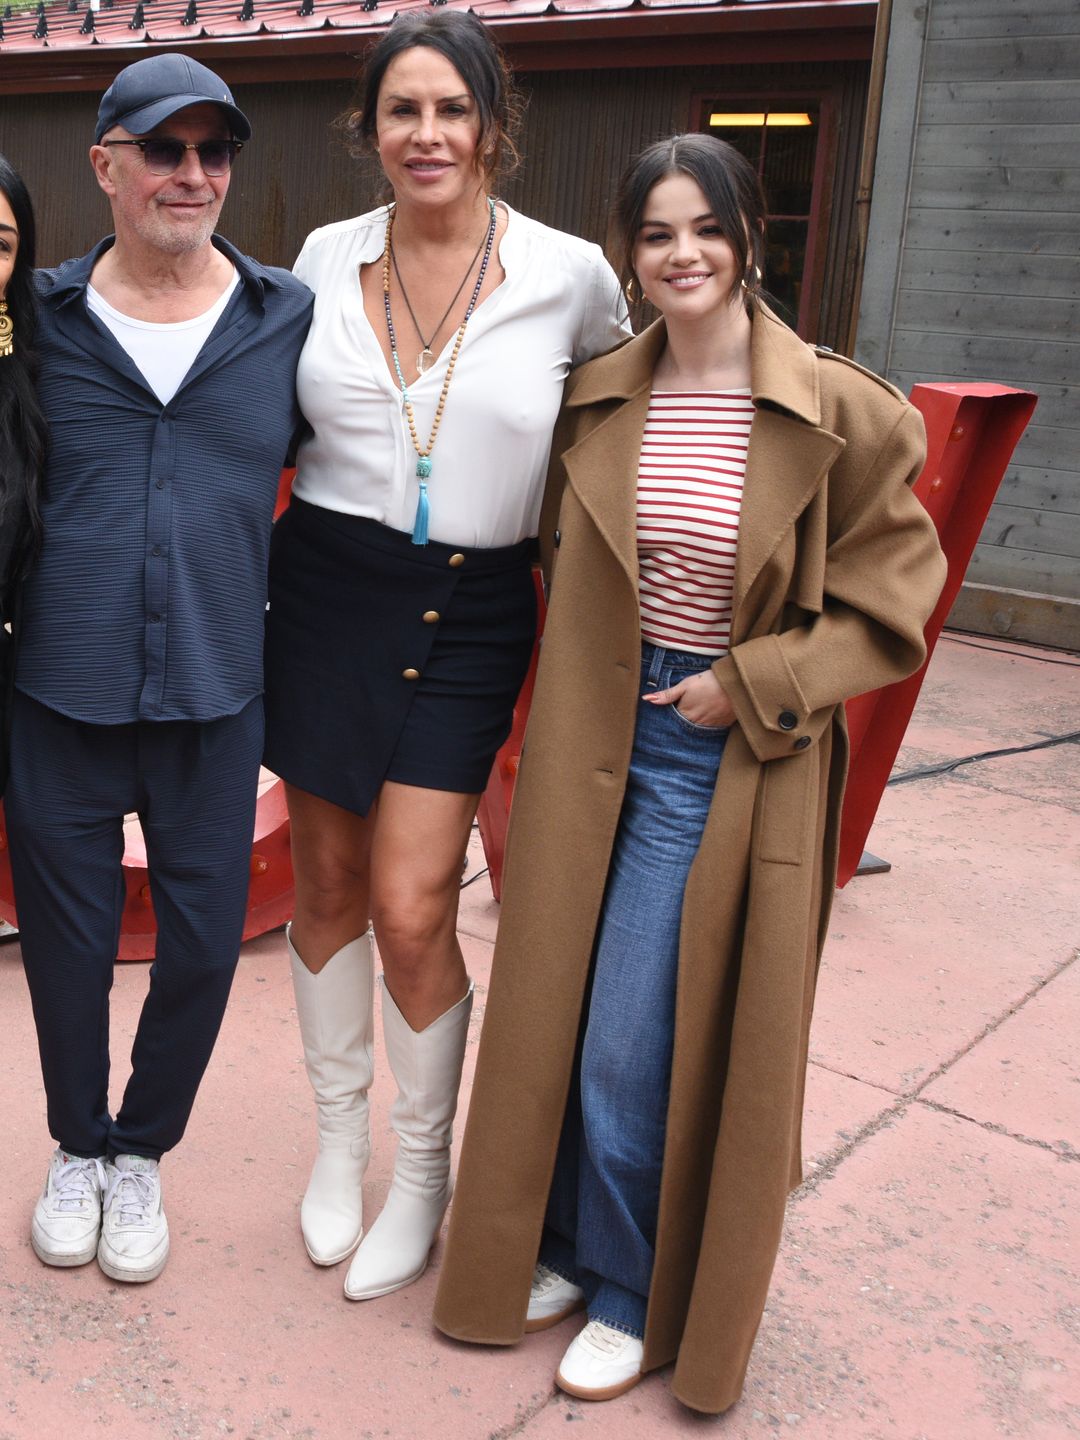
(787, 720)
(558, 538)
(430, 617)
(410, 674)
(456, 560)
(802, 742)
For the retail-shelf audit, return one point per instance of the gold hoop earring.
(628, 291)
(758, 277)
(7, 330)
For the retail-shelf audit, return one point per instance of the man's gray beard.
(183, 242)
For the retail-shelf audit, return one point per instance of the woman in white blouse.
(402, 610)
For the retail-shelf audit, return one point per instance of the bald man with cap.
(168, 365)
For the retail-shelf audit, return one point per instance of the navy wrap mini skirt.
(387, 660)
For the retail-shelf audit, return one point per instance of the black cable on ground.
(947, 765)
(955, 639)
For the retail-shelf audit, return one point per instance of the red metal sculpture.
(971, 433)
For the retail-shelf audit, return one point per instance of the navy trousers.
(193, 787)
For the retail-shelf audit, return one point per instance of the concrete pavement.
(928, 1286)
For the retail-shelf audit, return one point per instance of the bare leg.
(416, 860)
(331, 854)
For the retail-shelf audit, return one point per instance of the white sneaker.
(551, 1299)
(134, 1242)
(67, 1216)
(602, 1362)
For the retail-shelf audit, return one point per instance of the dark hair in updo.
(22, 425)
(463, 40)
(727, 180)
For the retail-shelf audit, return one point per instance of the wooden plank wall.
(580, 129)
(989, 285)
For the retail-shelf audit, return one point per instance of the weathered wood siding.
(580, 129)
(989, 261)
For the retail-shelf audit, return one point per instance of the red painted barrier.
(971, 433)
(493, 815)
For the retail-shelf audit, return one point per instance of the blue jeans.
(600, 1229)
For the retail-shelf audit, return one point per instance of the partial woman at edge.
(734, 550)
(22, 425)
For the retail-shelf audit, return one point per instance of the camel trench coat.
(837, 570)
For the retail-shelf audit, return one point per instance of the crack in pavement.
(991, 1026)
(1068, 1153)
(859, 1079)
(831, 1162)
(526, 1417)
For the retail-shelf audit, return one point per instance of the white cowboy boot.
(427, 1067)
(335, 1012)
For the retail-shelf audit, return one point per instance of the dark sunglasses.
(164, 156)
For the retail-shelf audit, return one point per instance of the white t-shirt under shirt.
(690, 484)
(559, 305)
(165, 353)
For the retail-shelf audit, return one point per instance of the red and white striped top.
(690, 483)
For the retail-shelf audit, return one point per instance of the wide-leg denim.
(600, 1227)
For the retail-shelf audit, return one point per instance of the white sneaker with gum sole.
(602, 1362)
(551, 1299)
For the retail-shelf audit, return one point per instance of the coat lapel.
(785, 466)
(601, 469)
(790, 452)
(602, 466)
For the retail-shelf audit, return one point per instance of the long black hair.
(727, 180)
(22, 424)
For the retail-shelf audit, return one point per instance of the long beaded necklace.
(423, 453)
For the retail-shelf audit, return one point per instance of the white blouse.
(559, 305)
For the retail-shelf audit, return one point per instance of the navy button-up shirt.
(148, 599)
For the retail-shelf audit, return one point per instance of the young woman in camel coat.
(837, 570)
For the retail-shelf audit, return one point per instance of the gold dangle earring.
(7, 330)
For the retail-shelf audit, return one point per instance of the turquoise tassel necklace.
(423, 453)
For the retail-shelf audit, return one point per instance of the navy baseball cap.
(148, 92)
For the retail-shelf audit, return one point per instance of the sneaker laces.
(132, 1194)
(73, 1183)
(604, 1338)
(545, 1279)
